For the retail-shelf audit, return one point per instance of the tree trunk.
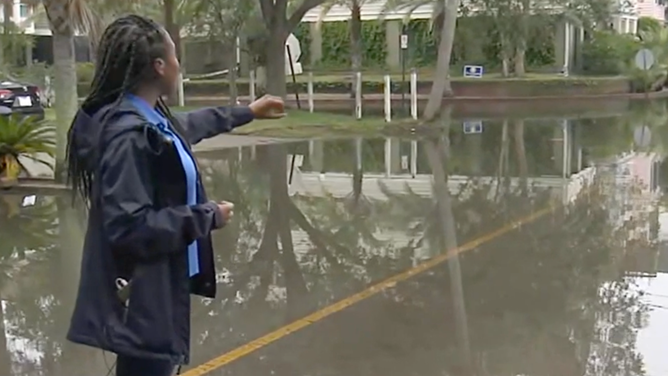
(356, 36)
(521, 155)
(355, 43)
(503, 161)
(175, 33)
(520, 50)
(438, 154)
(280, 201)
(8, 9)
(505, 56)
(521, 45)
(441, 85)
(275, 60)
(232, 74)
(65, 88)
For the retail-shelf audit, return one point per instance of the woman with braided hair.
(148, 244)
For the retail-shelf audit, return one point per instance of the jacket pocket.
(150, 308)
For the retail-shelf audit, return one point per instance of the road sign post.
(403, 43)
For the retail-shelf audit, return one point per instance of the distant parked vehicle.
(22, 99)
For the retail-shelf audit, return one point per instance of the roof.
(371, 10)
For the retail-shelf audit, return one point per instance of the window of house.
(24, 10)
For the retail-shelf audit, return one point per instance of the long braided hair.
(127, 51)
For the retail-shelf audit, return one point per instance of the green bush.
(85, 72)
(649, 25)
(476, 43)
(609, 53)
(336, 44)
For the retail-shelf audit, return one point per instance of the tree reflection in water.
(28, 247)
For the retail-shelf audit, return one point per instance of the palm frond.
(26, 137)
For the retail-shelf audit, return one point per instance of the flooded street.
(535, 248)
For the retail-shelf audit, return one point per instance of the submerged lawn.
(304, 124)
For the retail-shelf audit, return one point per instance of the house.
(31, 19)
(655, 9)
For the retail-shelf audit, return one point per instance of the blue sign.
(473, 71)
(472, 126)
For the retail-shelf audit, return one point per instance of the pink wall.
(649, 8)
(640, 167)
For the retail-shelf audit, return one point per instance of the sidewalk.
(303, 97)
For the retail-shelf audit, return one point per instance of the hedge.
(477, 42)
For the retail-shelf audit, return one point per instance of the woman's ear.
(159, 65)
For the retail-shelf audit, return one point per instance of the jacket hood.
(91, 131)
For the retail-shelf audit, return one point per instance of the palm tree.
(8, 9)
(438, 153)
(441, 85)
(65, 18)
(448, 9)
(23, 138)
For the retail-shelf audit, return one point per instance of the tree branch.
(299, 13)
(267, 7)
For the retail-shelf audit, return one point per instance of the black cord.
(106, 364)
(111, 369)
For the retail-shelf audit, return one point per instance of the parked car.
(23, 99)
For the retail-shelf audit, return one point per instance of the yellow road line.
(314, 317)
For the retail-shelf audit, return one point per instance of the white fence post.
(311, 106)
(387, 98)
(181, 91)
(414, 95)
(358, 95)
(251, 85)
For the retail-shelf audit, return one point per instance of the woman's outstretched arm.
(212, 121)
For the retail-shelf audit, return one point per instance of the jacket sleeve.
(131, 221)
(212, 121)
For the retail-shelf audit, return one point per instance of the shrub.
(23, 136)
(85, 72)
(609, 53)
(649, 25)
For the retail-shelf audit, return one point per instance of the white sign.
(642, 136)
(473, 71)
(292, 44)
(299, 160)
(644, 59)
(29, 201)
(295, 160)
(404, 41)
(24, 101)
(472, 126)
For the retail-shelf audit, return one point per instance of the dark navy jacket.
(139, 227)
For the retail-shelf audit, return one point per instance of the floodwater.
(545, 243)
